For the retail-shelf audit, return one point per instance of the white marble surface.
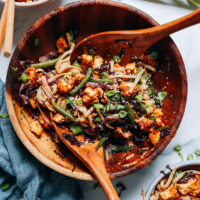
(188, 135)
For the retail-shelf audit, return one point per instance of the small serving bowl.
(194, 164)
(29, 4)
(88, 17)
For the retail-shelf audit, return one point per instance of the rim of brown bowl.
(87, 176)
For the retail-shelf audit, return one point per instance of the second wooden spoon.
(107, 43)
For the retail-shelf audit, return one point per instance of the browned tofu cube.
(169, 194)
(33, 102)
(154, 137)
(192, 187)
(35, 127)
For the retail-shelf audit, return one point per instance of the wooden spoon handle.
(3, 23)
(97, 167)
(154, 34)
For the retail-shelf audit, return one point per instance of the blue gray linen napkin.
(28, 177)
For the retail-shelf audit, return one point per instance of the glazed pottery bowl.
(85, 18)
(186, 165)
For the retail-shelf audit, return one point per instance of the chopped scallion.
(154, 55)
(139, 97)
(177, 148)
(110, 93)
(5, 115)
(98, 105)
(197, 152)
(122, 114)
(76, 129)
(162, 95)
(104, 75)
(190, 157)
(116, 59)
(24, 78)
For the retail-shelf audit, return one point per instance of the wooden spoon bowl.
(90, 17)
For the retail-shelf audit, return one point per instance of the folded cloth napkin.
(21, 175)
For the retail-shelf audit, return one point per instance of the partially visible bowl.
(29, 4)
(195, 164)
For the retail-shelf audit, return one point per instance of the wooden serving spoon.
(107, 43)
(92, 159)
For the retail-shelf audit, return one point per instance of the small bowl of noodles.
(177, 182)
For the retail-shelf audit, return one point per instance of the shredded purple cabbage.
(111, 118)
(23, 92)
(101, 85)
(72, 139)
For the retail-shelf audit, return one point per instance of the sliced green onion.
(138, 71)
(152, 116)
(180, 155)
(146, 76)
(120, 107)
(14, 69)
(178, 172)
(5, 115)
(177, 148)
(24, 78)
(5, 186)
(74, 73)
(122, 114)
(139, 97)
(99, 106)
(190, 157)
(76, 64)
(97, 120)
(152, 89)
(154, 55)
(197, 152)
(116, 59)
(69, 100)
(78, 102)
(101, 142)
(13, 102)
(76, 129)
(104, 75)
(162, 95)
(116, 97)
(143, 106)
(125, 148)
(36, 42)
(149, 92)
(110, 93)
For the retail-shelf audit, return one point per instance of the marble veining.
(188, 134)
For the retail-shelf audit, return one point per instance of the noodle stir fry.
(179, 185)
(100, 99)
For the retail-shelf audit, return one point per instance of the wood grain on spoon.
(140, 40)
(9, 28)
(92, 159)
(3, 23)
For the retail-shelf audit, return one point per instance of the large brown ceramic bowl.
(91, 17)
